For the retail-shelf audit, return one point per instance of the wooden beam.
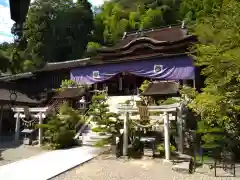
(1, 119)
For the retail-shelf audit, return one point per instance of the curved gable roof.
(163, 36)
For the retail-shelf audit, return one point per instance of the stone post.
(17, 127)
(40, 133)
(166, 136)
(125, 134)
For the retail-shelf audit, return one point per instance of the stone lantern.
(18, 10)
(82, 104)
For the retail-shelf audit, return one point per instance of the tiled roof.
(64, 64)
(70, 93)
(168, 34)
(20, 97)
(16, 76)
(161, 88)
(48, 67)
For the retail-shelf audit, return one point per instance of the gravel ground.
(107, 167)
(12, 153)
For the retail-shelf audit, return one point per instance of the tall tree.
(218, 52)
(118, 16)
(58, 30)
(4, 62)
(191, 10)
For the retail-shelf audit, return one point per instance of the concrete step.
(95, 135)
(182, 167)
(88, 143)
(90, 140)
(99, 136)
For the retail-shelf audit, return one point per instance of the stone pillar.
(17, 127)
(40, 133)
(166, 136)
(180, 130)
(125, 134)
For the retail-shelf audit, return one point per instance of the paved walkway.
(47, 165)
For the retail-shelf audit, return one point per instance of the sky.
(6, 22)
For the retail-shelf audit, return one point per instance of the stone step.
(181, 167)
(99, 136)
(89, 142)
(92, 140)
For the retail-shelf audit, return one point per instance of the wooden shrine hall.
(154, 54)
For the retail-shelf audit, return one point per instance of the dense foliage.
(60, 129)
(105, 121)
(218, 52)
(118, 16)
(58, 30)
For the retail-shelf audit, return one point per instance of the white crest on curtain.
(157, 68)
(95, 74)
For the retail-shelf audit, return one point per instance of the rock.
(181, 167)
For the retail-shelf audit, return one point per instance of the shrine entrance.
(122, 84)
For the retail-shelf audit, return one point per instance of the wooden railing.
(54, 107)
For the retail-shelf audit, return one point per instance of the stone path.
(107, 167)
(48, 164)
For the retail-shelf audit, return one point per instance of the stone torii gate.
(166, 110)
(38, 113)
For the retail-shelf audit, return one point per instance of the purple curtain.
(172, 68)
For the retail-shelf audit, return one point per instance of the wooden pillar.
(180, 129)
(17, 127)
(120, 83)
(1, 119)
(166, 136)
(40, 133)
(125, 134)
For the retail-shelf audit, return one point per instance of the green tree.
(58, 30)
(91, 48)
(60, 129)
(218, 53)
(191, 10)
(5, 62)
(106, 122)
(118, 16)
(152, 19)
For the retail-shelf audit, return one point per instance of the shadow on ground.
(12, 151)
(7, 141)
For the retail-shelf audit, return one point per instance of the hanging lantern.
(19, 9)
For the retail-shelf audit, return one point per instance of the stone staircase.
(89, 137)
(114, 101)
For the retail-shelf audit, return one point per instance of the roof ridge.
(69, 61)
(150, 30)
(11, 77)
